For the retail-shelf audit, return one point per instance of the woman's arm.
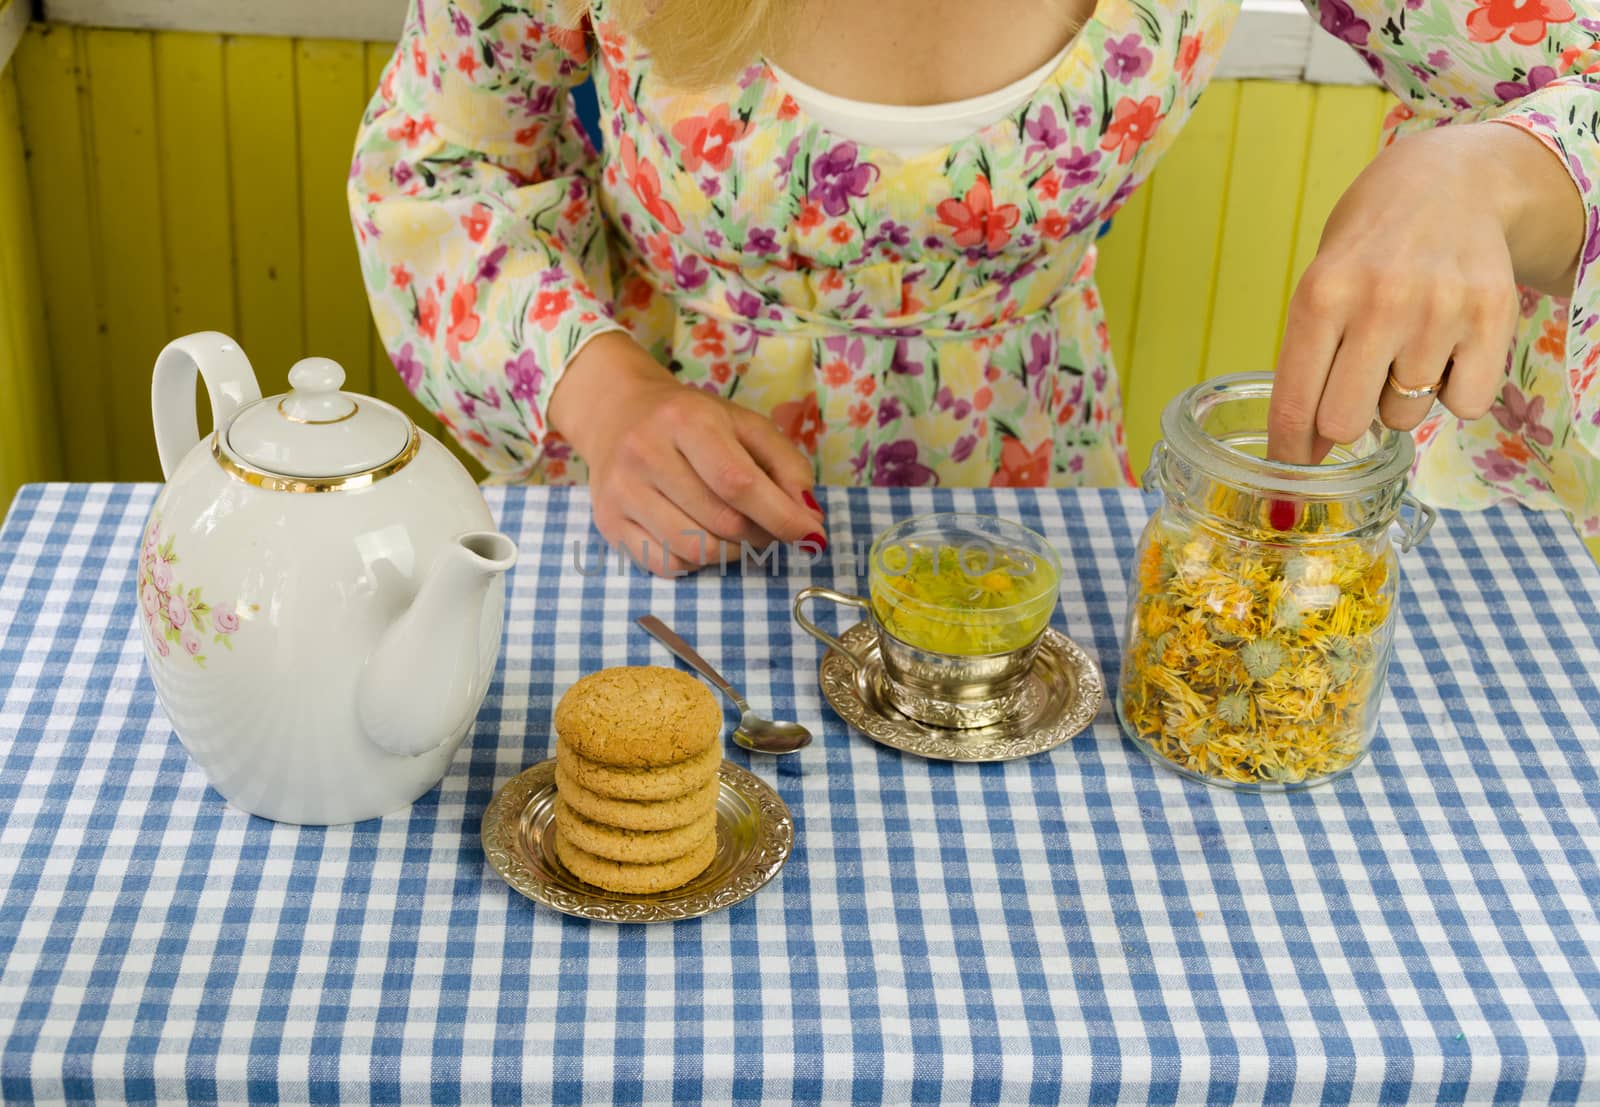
(1418, 266)
(481, 241)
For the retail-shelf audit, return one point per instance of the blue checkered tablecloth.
(1076, 925)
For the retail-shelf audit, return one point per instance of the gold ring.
(1415, 393)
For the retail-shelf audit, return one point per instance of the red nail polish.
(816, 541)
(1282, 514)
(811, 501)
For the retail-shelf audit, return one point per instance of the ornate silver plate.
(1061, 696)
(754, 836)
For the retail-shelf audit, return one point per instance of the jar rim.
(1388, 461)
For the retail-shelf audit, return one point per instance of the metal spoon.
(753, 732)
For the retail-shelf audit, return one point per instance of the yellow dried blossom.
(1257, 658)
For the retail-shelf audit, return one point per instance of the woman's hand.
(679, 477)
(1416, 276)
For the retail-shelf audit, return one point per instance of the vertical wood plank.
(54, 123)
(1178, 270)
(1117, 275)
(331, 93)
(1258, 232)
(1345, 125)
(127, 199)
(387, 384)
(27, 416)
(264, 188)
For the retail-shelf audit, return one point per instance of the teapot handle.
(230, 383)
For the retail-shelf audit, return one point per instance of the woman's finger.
(667, 526)
(773, 451)
(645, 551)
(724, 463)
(1310, 343)
(1476, 375)
(675, 479)
(1424, 363)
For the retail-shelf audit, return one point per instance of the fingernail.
(816, 540)
(811, 501)
(1281, 513)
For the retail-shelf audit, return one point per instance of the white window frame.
(1274, 39)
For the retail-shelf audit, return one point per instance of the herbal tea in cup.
(958, 604)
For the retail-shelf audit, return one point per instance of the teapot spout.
(421, 685)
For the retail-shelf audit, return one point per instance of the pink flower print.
(177, 611)
(1044, 132)
(1127, 58)
(525, 376)
(1515, 412)
(161, 643)
(1439, 59)
(227, 621)
(1497, 467)
(190, 641)
(407, 365)
(149, 599)
(163, 577)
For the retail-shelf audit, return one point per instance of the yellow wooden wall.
(178, 182)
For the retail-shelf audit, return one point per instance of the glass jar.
(1263, 596)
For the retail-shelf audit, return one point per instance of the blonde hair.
(697, 44)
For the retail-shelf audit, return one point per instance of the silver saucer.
(1060, 697)
(755, 834)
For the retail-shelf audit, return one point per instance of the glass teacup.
(958, 604)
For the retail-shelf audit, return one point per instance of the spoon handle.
(686, 653)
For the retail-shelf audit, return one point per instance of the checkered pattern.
(1079, 924)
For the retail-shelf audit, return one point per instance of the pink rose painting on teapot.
(173, 615)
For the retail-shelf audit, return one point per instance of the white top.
(913, 130)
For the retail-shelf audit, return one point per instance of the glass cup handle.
(1416, 528)
(816, 592)
(1148, 481)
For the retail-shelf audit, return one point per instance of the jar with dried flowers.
(1263, 596)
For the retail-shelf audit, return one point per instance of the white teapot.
(320, 589)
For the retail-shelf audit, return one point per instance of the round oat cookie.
(634, 814)
(638, 717)
(634, 847)
(617, 876)
(664, 783)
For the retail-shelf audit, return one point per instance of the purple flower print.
(747, 304)
(785, 162)
(1040, 356)
(1076, 464)
(942, 399)
(761, 240)
(1127, 58)
(489, 264)
(852, 351)
(896, 466)
(177, 611)
(1044, 131)
(1083, 115)
(858, 464)
(714, 238)
(541, 102)
(401, 173)
(1497, 467)
(191, 641)
(836, 176)
(1590, 25)
(1538, 77)
(1515, 412)
(459, 20)
(961, 409)
(466, 405)
(963, 447)
(1591, 246)
(525, 376)
(902, 364)
(227, 621)
(710, 186)
(407, 365)
(491, 396)
(1078, 167)
(689, 271)
(889, 410)
(1340, 21)
(1439, 59)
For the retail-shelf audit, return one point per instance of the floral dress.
(905, 321)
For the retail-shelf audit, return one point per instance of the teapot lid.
(316, 431)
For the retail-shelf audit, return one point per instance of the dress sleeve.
(478, 226)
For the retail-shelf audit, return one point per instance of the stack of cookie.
(637, 754)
